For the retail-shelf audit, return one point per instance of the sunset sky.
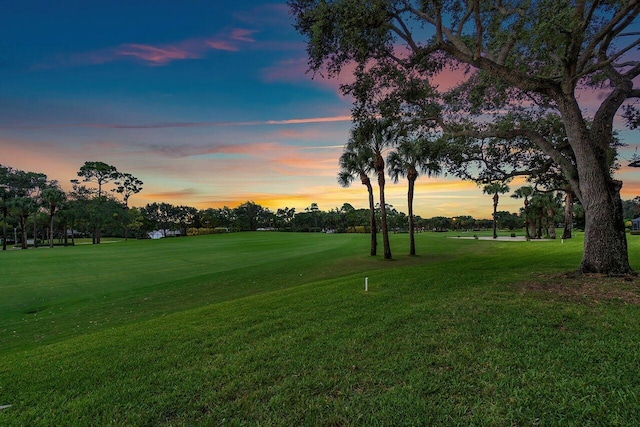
(207, 102)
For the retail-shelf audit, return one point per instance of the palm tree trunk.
(412, 242)
(526, 219)
(495, 211)
(372, 221)
(379, 166)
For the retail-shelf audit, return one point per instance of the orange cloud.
(186, 195)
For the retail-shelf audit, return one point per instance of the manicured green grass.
(276, 329)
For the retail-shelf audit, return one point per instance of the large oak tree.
(526, 58)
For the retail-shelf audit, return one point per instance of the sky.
(209, 103)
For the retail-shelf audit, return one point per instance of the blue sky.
(207, 102)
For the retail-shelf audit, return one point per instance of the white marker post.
(366, 284)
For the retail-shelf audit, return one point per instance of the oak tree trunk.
(605, 241)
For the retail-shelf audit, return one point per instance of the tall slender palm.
(379, 135)
(525, 192)
(495, 188)
(356, 161)
(410, 158)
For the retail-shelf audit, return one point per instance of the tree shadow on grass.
(586, 288)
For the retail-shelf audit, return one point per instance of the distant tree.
(38, 183)
(631, 208)
(53, 197)
(440, 223)
(127, 185)
(23, 188)
(99, 173)
(248, 216)
(135, 221)
(508, 220)
(494, 189)
(5, 198)
(23, 206)
(184, 217)
(313, 210)
(525, 192)
(285, 216)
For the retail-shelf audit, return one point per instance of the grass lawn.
(276, 329)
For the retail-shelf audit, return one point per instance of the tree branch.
(624, 17)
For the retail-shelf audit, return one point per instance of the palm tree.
(495, 188)
(53, 197)
(378, 135)
(525, 192)
(356, 161)
(411, 157)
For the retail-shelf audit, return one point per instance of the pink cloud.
(242, 35)
(156, 55)
(222, 45)
(298, 70)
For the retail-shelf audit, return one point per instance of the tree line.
(32, 202)
(98, 204)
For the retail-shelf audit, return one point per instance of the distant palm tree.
(568, 212)
(495, 188)
(410, 158)
(357, 162)
(525, 192)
